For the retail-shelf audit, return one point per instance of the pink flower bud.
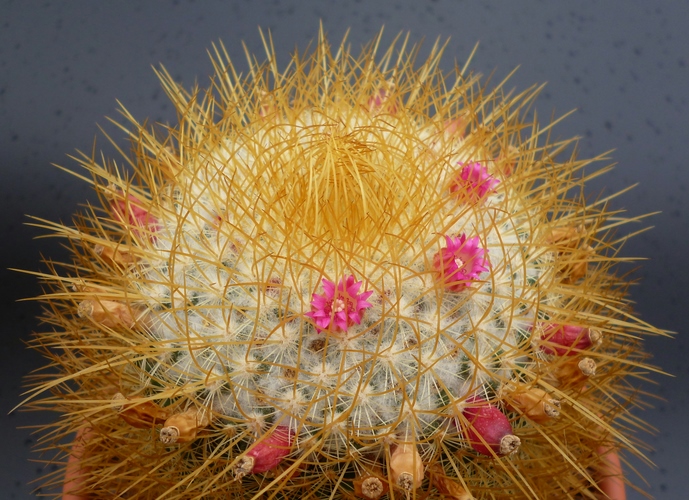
(381, 101)
(489, 431)
(473, 182)
(456, 127)
(567, 340)
(128, 209)
(267, 453)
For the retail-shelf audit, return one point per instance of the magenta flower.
(473, 181)
(461, 262)
(339, 307)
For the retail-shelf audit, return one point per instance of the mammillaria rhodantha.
(358, 276)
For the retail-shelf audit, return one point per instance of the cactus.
(357, 277)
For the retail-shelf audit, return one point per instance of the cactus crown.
(357, 276)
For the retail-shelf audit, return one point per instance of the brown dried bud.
(507, 161)
(371, 488)
(578, 269)
(569, 238)
(575, 371)
(509, 444)
(183, 427)
(533, 402)
(587, 366)
(448, 486)
(406, 467)
(119, 401)
(266, 104)
(371, 484)
(118, 256)
(107, 313)
(81, 286)
(142, 415)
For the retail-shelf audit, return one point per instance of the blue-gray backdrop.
(621, 65)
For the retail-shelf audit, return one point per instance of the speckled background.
(621, 65)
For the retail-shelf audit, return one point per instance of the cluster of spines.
(456, 266)
(404, 460)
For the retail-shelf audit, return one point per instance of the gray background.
(621, 65)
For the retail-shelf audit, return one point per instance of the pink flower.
(339, 307)
(461, 262)
(473, 181)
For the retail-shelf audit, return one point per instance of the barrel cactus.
(355, 277)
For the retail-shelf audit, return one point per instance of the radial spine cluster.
(358, 277)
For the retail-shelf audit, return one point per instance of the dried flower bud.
(489, 431)
(117, 256)
(575, 372)
(579, 265)
(507, 161)
(183, 427)
(406, 467)
(107, 313)
(371, 485)
(143, 415)
(587, 366)
(267, 453)
(266, 104)
(447, 486)
(81, 286)
(569, 238)
(120, 401)
(566, 340)
(533, 402)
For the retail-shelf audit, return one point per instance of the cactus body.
(334, 279)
